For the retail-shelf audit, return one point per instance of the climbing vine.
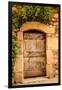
(23, 13)
(14, 48)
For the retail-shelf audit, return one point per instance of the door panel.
(34, 54)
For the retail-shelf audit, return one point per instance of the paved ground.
(38, 80)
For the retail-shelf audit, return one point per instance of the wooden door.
(34, 54)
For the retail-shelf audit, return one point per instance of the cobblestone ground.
(39, 80)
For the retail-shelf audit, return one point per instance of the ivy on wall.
(14, 48)
(23, 13)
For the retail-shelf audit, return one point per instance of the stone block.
(53, 19)
(19, 44)
(18, 67)
(20, 35)
(56, 15)
(55, 24)
(50, 59)
(50, 71)
(52, 43)
(18, 77)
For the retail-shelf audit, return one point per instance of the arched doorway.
(46, 68)
(34, 53)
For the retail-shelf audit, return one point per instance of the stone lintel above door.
(38, 26)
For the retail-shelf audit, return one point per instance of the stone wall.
(51, 48)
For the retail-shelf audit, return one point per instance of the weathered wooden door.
(34, 54)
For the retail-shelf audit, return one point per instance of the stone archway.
(49, 30)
